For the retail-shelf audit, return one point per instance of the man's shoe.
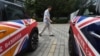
(51, 35)
(40, 34)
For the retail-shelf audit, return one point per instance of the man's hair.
(49, 6)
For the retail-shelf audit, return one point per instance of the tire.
(72, 46)
(33, 41)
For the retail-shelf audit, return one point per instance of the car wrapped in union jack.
(84, 32)
(18, 32)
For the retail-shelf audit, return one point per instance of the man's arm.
(48, 18)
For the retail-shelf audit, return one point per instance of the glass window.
(14, 12)
(1, 11)
(85, 12)
(88, 11)
(0, 14)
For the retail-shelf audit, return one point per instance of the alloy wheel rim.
(34, 41)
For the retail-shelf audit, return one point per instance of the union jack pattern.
(15, 35)
(81, 22)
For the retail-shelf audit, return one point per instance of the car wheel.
(33, 41)
(72, 45)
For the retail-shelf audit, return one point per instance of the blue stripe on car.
(82, 18)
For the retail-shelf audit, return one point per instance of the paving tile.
(53, 46)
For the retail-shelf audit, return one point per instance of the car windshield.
(90, 8)
(0, 15)
(1, 11)
(14, 12)
(10, 11)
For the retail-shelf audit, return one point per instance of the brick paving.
(53, 46)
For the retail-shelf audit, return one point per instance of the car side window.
(14, 12)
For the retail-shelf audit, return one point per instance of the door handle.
(2, 31)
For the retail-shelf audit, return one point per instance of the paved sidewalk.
(53, 46)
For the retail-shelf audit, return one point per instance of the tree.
(59, 7)
(29, 7)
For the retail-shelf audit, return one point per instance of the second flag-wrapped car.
(84, 33)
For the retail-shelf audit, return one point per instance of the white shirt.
(46, 14)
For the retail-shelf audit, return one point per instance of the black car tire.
(72, 46)
(33, 41)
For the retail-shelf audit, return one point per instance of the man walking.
(47, 21)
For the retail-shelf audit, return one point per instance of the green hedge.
(60, 20)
